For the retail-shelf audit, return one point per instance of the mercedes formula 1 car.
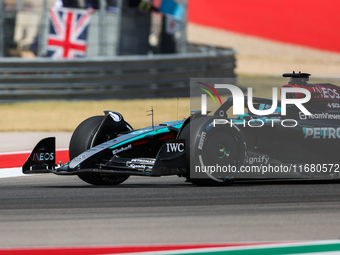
(105, 150)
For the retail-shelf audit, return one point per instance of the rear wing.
(42, 158)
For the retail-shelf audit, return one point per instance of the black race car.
(208, 149)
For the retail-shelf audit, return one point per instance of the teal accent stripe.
(178, 126)
(154, 132)
(274, 251)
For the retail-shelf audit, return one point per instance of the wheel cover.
(218, 152)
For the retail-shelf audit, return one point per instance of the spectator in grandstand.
(92, 4)
(70, 3)
(142, 5)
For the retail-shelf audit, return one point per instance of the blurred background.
(136, 49)
(63, 61)
(269, 37)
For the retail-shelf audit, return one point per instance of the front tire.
(211, 146)
(82, 140)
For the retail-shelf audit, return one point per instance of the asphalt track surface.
(49, 210)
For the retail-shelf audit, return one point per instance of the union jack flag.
(67, 34)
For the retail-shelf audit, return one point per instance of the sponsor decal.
(42, 156)
(175, 147)
(321, 132)
(200, 144)
(142, 161)
(122, 149)
(333, 105)
(319, 116)
(141, 164)
(326, 92)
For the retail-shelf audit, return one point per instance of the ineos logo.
(174, 147)
(43, 156)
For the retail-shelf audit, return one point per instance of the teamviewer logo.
(302, 116)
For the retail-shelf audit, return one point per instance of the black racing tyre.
(82, 137)
(221, 145)
(81, 141)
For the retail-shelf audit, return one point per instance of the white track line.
(11, 172)
(17, 171)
